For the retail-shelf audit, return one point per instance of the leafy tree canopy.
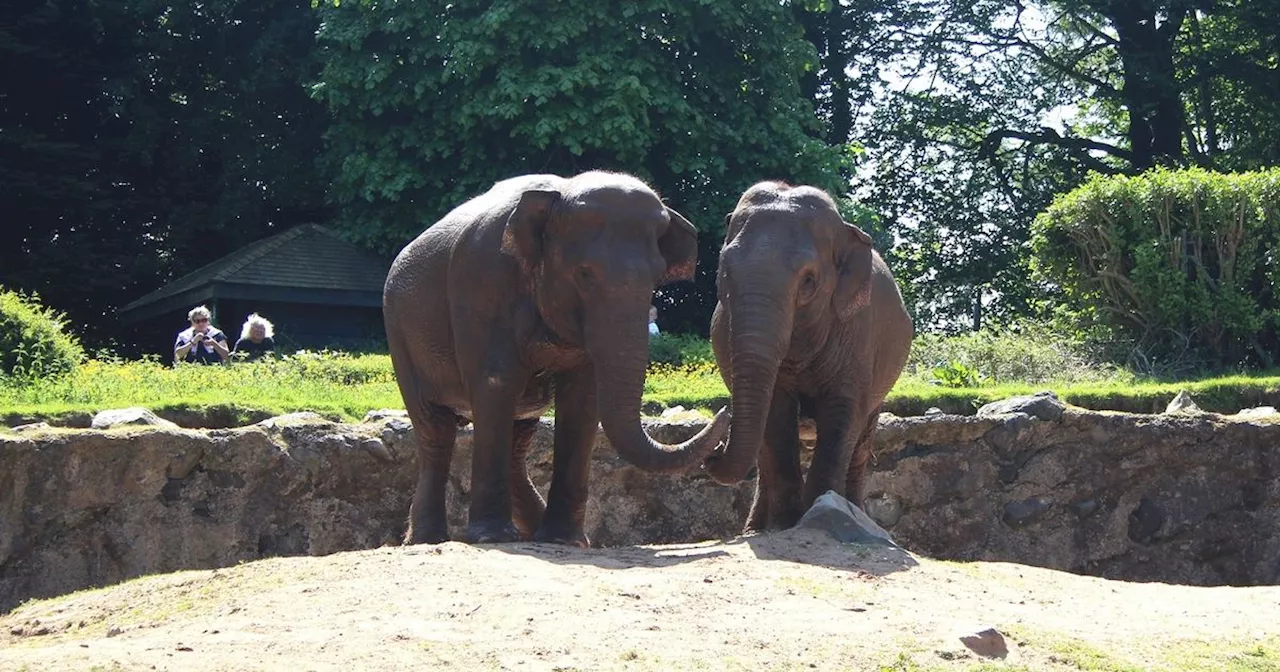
(432, 102)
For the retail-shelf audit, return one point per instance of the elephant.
(536, 291)
(809, 325)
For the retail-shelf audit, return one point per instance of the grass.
(333, 384)
(344, 386)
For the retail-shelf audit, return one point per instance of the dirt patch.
(794, 600)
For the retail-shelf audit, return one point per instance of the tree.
(433, 102)
(974, 114)
(144, 139)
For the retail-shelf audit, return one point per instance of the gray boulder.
(844, 521)
(1182, 403)
(1257, 413)
(384, 413)
(135, 415)
(1044, 405)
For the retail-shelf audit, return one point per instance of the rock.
(844, 521)
(680, 413)
(1179, 498)
(1085, 507)
(988, 643)
(1146, 521)
(396, 426)
(1044, 405)
(1257, 412)
(1017, 514)
(32, 427)
(808, 430)
(885, 509)
(290, 419)
(933, 410)
(384, 413)
(136, 415)
(1182, 403)
(376, 448)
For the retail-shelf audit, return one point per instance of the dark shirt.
(203, 353)
(254, 350)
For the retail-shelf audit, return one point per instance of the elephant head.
(592, 251)
(790, 270)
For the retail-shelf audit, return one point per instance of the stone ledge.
(1179, 498)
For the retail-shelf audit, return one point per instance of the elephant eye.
(584, 276)
(808, 285)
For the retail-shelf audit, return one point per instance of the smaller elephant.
(531, 294)
(809, 323)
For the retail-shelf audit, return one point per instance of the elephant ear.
(853, 266)
(679, 246)
(522, 237)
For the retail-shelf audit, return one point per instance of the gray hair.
(199, 311)
(258, 320)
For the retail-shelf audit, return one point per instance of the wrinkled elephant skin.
(809, 323)
(535, 292)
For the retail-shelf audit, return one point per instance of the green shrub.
(1179, 263)
(34, 342)
(680, 350)
(1028, 353)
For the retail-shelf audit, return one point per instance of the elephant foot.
(562, 536)
(492, 532)
(426, 535)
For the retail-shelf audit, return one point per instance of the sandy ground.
(793, 600)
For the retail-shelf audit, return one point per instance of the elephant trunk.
(760, 332)
(619, 345)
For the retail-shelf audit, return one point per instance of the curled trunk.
(759, 335)
(620, 351)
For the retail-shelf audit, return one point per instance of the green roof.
(308, 264)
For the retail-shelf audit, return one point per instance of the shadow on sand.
(810, 547)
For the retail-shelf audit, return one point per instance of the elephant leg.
(855, 489)
(840, 424)
(527, 505)
(575, 436)
(436, 429)
(493, 409)
(778, 485)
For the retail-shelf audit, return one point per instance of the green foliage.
(433, 102)
(957, 374)
(1028, 352)
(331, 383)
(346, 386)
(1178, 262)
(680, 349)
(34, 341)
(143, 140)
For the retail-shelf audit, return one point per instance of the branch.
(1104, 89)
(1096, 31)
(1048, 136)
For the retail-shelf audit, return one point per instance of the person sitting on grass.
(255, 338)
(201, 343)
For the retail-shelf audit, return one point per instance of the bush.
(1179, 263)
(34, 342)
(680, 350)
(1025, 353)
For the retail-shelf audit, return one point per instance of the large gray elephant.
(809, 323)
(536, 291)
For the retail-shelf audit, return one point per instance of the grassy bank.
(346, 386)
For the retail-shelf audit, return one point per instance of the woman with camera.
(202, 343)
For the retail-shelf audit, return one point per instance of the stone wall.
(1187, 499)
